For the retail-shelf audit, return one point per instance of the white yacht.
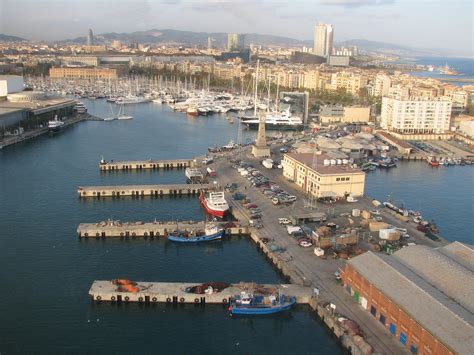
(277, 120)
(55, 125)
(131, 100)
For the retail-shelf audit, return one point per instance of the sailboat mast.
(255, 91)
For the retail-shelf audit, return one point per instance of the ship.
(192, 111)
(214, 203)
(210, 233)
(249, 304)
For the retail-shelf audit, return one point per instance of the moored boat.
(249, 304)
(55, 125)
(210, 233)
(214, 203)
(432, 161)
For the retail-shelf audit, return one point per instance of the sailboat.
(122, 115)
(111, 118)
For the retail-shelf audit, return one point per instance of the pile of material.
(126, 285)
(208, 288)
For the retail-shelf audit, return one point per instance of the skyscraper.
(323, 39)
(90, 38)
(235, 41)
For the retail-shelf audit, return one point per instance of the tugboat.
(214, 204)
(209, 234)
(247, 303)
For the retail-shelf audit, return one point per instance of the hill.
(8, 38)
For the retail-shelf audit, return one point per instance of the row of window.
(343, 179)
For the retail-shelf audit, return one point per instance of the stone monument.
(260, 149)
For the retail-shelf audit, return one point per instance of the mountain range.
(219, 40)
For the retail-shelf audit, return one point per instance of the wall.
(391, 315)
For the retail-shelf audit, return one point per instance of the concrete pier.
(147, 164)
(142, 190)
(174, 292)
(118, 229)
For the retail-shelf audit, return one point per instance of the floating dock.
(174, 292)
(147, 164)
(142, 190)
(119, 229)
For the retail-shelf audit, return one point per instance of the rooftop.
(440, 315)
(316, 163)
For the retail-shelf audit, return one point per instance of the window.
(382, 319)
(373, 311)
(338, 179)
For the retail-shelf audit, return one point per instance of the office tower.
(323, 39)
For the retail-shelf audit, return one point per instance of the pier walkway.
(174, 292)
(142, 190)
(119, 229)
(147, 164)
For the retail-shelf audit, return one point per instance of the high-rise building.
(323, 39)
(90, 38)
(235, 41)
(416, 115)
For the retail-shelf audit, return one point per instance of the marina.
(142, 190)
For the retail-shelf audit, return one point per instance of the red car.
(249, 206)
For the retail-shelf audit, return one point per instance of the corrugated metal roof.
(427, 305)
(461, 253)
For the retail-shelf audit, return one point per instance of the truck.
(211, 172)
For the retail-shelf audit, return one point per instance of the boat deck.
(174, 292)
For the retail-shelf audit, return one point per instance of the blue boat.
(209, 234)
(250, 304)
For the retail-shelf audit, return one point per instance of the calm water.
(464, 66)
(46, 272)
(443, 194)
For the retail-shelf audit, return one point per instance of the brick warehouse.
(422, 296)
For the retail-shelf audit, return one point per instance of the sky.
(433, 24)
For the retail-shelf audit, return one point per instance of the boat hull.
(196, 239)
(212, 212)
(280, 127)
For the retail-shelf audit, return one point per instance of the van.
(293, 229)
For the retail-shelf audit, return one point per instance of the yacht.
(55, 125)
(276, 120)
(131, 100)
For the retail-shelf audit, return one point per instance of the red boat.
(214, 203)
(432, 161)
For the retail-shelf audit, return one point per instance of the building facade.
(322, 177)
(323, 40)
(235, 41)
(416, 115)
(83, 73)
(428, 312)
(348, 81)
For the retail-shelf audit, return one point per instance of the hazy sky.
(443, 24)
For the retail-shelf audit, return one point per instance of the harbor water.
(46, 270)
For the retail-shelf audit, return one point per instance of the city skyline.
(388, 21)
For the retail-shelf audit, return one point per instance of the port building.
(322, 176)
(421, 295)
(83, 73)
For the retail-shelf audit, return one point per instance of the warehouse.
(422, 296)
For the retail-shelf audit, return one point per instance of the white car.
(375, 212)
(305, 244)
(284, 221)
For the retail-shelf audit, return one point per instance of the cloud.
(357, 3)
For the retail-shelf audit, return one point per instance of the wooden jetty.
(147, 164)
(142, 190)
(119, 229)
(174, 292)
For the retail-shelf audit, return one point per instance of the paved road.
(311, 269)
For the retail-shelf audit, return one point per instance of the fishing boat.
(249, 304)
(210, 233)
(214, 203)
(387, 163)
(432, 161)
(192, 111)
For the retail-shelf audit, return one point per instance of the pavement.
(311, 269)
